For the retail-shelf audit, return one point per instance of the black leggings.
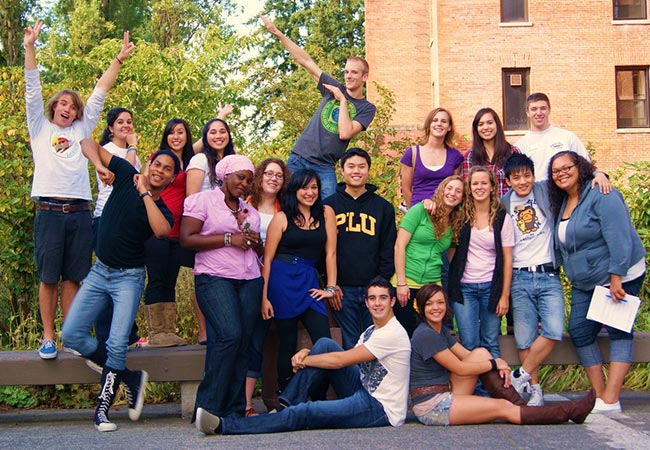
(317, 326)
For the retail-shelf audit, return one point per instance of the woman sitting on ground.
(444, 375)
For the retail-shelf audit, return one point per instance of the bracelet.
(131, 149)
(145, 194)
(227, 237)
(330, 289)
(402, 285)
(119, 60)
(494, 364)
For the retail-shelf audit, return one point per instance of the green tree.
(13, 14)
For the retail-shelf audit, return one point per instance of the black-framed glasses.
(565, 169)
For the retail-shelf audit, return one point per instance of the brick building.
(591, 57)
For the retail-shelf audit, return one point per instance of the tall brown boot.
(161, 318)
(576, 411)
(493, 383)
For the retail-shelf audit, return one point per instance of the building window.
(514, 10)
(630, 10)
(632, 97)
(515, 91)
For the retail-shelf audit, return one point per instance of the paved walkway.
(162, 428)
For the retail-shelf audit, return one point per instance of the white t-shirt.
(481, 252)
(265, 220)
(540, 146)
(103, 192)
(200, 162)
(386, 378)
(60, 168)
(533, 232)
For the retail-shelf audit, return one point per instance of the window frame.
(506, 72)
(646, 85)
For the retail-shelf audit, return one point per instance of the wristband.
(493, 363)
(402, 285)
(131, 148)
(227, 239)
(144, 194)
(119, 60)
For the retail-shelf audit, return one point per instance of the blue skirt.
(289, 284)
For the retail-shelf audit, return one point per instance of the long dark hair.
(502, 148)
(585, 175)
(298, 180)
(187, 149)
(111, 117)
(256, 187)
(210, 153)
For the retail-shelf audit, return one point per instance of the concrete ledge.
(185, 364)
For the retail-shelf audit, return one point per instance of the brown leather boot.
(161, 318)
(493, 383)
(576, 411)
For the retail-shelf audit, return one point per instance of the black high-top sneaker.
(110, 384)
(135, 382)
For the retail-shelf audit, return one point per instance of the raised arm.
(108, 78)
(100, 157)
(29, 40)
(298, 54)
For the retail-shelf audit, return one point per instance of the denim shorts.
(536, 297)
(438, 410)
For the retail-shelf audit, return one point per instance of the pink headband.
(233, 163)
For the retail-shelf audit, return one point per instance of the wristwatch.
(145, 193)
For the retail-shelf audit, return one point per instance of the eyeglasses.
(276, 175)
(565, 169)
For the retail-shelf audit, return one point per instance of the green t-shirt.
(424, 251)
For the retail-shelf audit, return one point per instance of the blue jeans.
(477, 326)
(535, 297)
(353, 318)
(230, 308)
(326, 174)
(103, 285)
(583, 331)
(355, 407)
(256, 347)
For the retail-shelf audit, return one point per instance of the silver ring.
(248, 242)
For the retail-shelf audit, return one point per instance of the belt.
(295, 259)
(543, 268)
(433, 389)
(63, 207)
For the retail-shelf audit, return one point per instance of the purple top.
(425, 181)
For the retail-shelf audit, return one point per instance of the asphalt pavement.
(162, 428)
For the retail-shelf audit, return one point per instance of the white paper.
(619, 315)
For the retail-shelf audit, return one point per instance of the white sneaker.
(520, 383)
(205, 422)
(605, 408)
(536, 396)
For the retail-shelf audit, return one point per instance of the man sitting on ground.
(370, 380)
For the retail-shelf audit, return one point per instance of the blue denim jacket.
(600, 239)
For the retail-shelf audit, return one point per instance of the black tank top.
(307, 244)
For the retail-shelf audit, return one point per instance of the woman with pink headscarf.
(225, 232)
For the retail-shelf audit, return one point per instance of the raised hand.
(31, 33)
